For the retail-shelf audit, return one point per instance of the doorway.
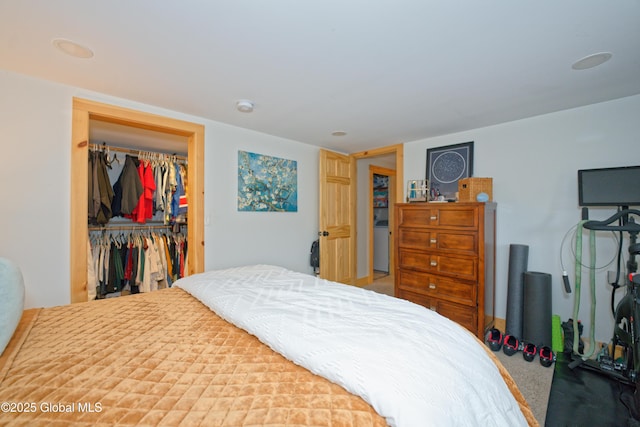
(84, 112)
(393, 159)
(381, 220)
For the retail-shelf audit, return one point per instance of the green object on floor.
(557, 344)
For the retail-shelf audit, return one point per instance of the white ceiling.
(385, 72)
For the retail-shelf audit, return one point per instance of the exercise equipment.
(556, 334)
(622, 360)
(494, 339)
(536, 316)
(518, 260)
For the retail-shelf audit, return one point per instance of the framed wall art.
(266, 183)
(446, 166)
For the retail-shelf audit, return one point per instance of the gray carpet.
(533, 379)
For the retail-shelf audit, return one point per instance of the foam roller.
(518, 260)
(557, 342)
(536, 319)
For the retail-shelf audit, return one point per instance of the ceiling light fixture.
(244, 106)
(72, 48)
(591, 61)
(338, 133)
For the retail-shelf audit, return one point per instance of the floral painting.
(266, 183)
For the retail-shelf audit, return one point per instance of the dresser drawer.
(458, 266)
(445, 259)
(450, 241)
(461, 314)
(426, 215)
(437, 286)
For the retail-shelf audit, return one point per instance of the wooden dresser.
(445, 260)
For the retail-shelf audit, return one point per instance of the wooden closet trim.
(83, 112)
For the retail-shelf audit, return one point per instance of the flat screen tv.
(609, 186)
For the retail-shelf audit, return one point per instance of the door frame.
(83, 112)
(398, 194)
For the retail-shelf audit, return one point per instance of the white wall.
(35, 139)
(238, 238)
(534, 165)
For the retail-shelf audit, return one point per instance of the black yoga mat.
(536, 317)
(518, 261)
(582, 397)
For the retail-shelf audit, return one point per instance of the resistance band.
(592, 282)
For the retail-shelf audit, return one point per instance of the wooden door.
(337, 217)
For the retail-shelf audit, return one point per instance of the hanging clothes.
(158, 256)
(183, 206)
(144, 209)
(179, 197)
(170, 188)
(169, 270)
(128, 268)
(93, 195)
(91, 273)
(133, 267)
(139, 262)
(101, 193)
(149, 184)
(149, 187)
(127, 189)
(160, 175)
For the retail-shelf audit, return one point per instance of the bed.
(255, 345)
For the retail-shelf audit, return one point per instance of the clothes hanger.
(114, 158)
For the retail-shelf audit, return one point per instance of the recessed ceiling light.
(72, 48)
(591, 61)
(244, 106)
(338, 133)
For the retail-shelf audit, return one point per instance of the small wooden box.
(469, 188)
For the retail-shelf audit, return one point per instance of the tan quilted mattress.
(160, 358)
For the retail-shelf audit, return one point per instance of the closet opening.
(125, 130)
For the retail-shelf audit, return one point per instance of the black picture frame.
(446, 166)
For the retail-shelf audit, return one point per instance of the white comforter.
(415, 367)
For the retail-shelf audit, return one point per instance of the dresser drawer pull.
(432, 285)
(434, 241)
(434, 263)
(433, 217)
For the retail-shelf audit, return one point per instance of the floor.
(382, 282)
(578, 397)
(582, 397)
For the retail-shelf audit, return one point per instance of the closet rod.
(135, 152)
(133, 227)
